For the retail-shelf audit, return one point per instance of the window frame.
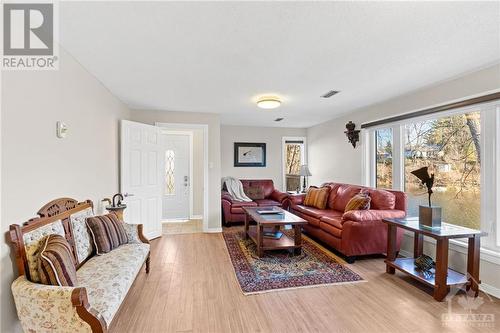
(490, 171)
(303, 157)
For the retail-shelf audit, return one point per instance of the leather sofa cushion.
(239, 204)
(382, 199)
(316, 212)
(312, 221)
(255, 192)
(267, 185)
(330, 229)
(333, 193)
(267, 202)
(335, 221)
(344, 194)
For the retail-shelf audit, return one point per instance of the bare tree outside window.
(384, 157)
(293, 162)
(450, 147)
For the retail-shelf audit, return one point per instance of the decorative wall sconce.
(351, 133)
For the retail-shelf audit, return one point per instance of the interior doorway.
(293, 156)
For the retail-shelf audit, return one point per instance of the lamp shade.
(304, 170)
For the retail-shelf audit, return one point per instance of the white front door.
(141, 175)
(177, 180)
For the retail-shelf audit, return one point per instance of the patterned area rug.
(280, 269)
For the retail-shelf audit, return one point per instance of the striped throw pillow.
(56, 264)
(317, 197)
(107, 232)
(360, 201)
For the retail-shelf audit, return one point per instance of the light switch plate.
(62, 129)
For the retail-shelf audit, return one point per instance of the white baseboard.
(196, 217)
(489, 289)
(213, 230)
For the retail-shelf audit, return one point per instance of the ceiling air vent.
(279, 119)
(330, 94)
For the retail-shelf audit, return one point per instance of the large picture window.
(460, 147)
(450, 148)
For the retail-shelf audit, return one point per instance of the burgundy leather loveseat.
(355, 232)
(232, 210)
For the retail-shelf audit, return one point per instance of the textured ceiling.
(217, 57)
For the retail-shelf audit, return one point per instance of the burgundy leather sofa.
(232, 211)
(356, 232)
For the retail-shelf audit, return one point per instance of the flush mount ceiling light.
(268, 102)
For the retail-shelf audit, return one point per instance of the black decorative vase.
(430, 216)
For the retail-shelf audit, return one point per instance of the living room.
(393, 109)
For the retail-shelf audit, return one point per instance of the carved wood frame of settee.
(62, 209)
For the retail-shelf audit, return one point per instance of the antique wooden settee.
(103, 280)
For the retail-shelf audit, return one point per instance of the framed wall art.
(248, 154)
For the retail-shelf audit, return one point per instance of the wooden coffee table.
(273, 221)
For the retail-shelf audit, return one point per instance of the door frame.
(283, 157)
(204, 127)
(190, 135)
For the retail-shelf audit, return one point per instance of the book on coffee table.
(272, 234)
(269, 211)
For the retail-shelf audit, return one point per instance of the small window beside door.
(169, 172)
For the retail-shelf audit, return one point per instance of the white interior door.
(177, 176)
(141, 175)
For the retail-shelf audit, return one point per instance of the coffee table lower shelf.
(407, 265)
(284, 242)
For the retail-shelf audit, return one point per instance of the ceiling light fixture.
(268, 102)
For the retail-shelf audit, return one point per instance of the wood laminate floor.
(192, 288)
(188, 227)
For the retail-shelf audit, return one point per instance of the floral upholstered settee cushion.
(43, 308)
(108, 277)
(83, 243)
(32, 241)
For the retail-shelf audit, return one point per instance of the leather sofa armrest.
(226, 196)
(278, 196)
(297, 199)
(372, 215)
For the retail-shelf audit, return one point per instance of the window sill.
(488, 255)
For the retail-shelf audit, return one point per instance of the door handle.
(128, 195)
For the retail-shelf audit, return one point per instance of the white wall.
(332, 158)
(272, 136)
(214, 157)
(37, 166)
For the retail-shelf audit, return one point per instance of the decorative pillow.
(56, 265)
(81, 235)
(33, 242)
(107, 232)
(317, 197)
(360, 201)
(255, 192)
